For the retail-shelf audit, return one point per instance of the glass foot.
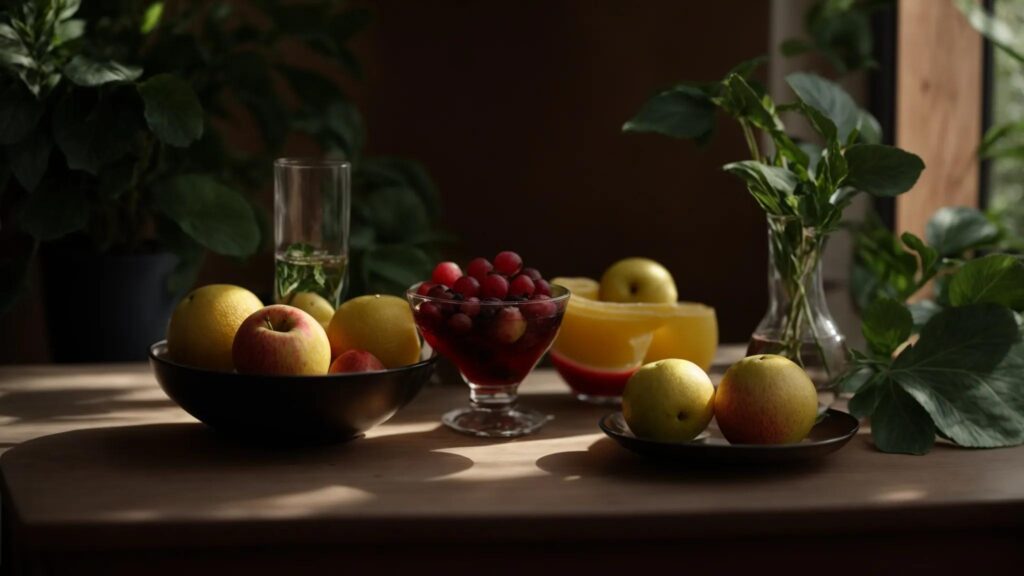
(600, 400)
(495, 423)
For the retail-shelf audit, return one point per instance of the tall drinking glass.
(311, 226)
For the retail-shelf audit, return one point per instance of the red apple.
(356, 360)
(281, 340)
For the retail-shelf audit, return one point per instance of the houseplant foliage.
(839, 31)
(115, 121)
(802, 187)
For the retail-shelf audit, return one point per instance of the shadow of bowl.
(289, 410)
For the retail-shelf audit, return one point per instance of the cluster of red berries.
(506, 279)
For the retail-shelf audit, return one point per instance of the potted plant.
(803, 188)
(115, 125)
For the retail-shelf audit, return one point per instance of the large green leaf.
(679, 112)
(965, 371)
(898, 423)
(993, 279)
(172, 109)
(886, 325)
(954, 230)
(94, 133)
(928, 255)
(29, 159)
(392, 269)
(19, 113)
(882, 170)
(55, 210)
(87, 72)
(213, 214)
(397, 213)
(828, 98)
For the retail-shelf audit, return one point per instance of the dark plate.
(831, 433)
(289, 409)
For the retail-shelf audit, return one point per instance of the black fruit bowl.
(289, 410)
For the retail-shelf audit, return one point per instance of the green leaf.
(794, 47)
(94, 133)
(392, 269)
(213, 214)
(995, 279)
(928, 255)
(870, 128)
(865, 400)
(886, 325)
(747, 67)
(899, 424)
(882, 170)
(67, 8)
(828, 98)
(86, 72)
(995, 135)
(68, 30)
(29, 159)
(997, 31)
(172, 109)
(680, 112)
(965, 370)
(954, 230)
(770, 185)
(346, 124)
(397, 213)
(151, 17)
(19, 113)
(55, 210)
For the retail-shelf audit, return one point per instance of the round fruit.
(479, 268)
(533, 273)
(315, 305)
(521, 285)
(356, 361)
(668, 401)
(381, 325)
(494, 286)
(638, 280)
(467, 286)
(204, 324)
(507, 263)
(281, 340)
(766, 399)
(446, 273)
(542, 287)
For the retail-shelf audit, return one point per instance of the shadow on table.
(71, 403)
(606, 459)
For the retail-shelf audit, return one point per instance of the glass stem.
(494, 398)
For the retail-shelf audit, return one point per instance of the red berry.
(542, 288)
(471, 307)
(424, 288)
(521, 285)
(508, 263)
(428, 314)
(540, 306)
(467, 286)
(479, 268)
(533, 273)
(494, 286)
(439, 291)
(460, 323)
(446, 273)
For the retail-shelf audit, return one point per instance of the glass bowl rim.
(410, 294)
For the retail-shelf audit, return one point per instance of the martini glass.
(494, 344)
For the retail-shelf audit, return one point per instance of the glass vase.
(798, 324)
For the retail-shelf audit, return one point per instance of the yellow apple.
(315, 305)
(281, 340)
(669, 400)
(765, 399)
(638, 280)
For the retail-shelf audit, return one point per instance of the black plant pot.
(104, 307)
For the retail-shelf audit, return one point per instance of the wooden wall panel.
(938, 108)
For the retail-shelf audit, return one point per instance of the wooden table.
(103, 474)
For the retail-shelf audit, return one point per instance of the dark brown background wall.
(515, 107)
